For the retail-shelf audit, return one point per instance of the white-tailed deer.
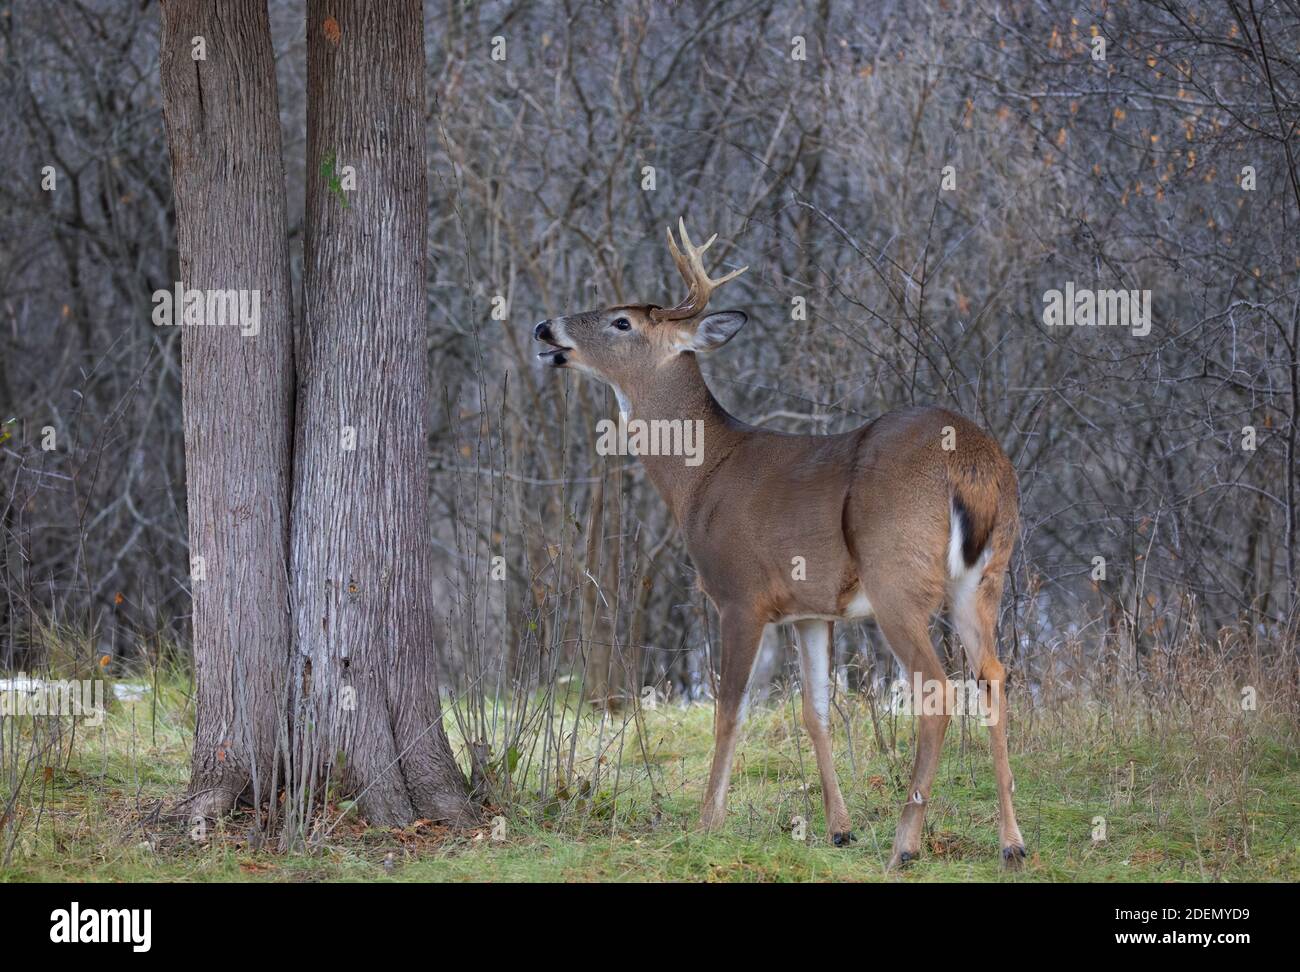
(890, 520)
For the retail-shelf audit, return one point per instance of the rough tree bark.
(223, 126)
(367, 715)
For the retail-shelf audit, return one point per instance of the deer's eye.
(621, 323)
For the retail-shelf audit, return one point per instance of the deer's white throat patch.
(624, 403)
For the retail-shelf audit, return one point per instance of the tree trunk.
(223, 126)
(368, 716)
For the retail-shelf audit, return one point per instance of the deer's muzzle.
(554, 355)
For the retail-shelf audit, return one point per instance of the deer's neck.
(678, 396)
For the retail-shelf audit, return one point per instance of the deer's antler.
(691, 266)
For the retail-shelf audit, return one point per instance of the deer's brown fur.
(884, 519)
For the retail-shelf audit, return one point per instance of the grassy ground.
(1185, 794)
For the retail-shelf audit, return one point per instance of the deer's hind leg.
(815, 639)
(973, 602)
(908, 635)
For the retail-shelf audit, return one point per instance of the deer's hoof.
(1013, 856)
(842, 839)
(902, 859)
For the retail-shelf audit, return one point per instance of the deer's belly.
(857, 607)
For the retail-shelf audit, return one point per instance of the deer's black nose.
(542, 332)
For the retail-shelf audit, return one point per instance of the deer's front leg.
(741, 634)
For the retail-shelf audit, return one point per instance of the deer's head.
(631, 345)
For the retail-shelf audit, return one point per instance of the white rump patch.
(956, 563)
(957, 568)
(962, 584)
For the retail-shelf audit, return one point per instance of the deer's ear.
(714, 331)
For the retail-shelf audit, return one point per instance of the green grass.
(1187, 795)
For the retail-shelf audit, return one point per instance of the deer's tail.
(980, 489)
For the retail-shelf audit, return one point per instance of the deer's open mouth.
(554, 356)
